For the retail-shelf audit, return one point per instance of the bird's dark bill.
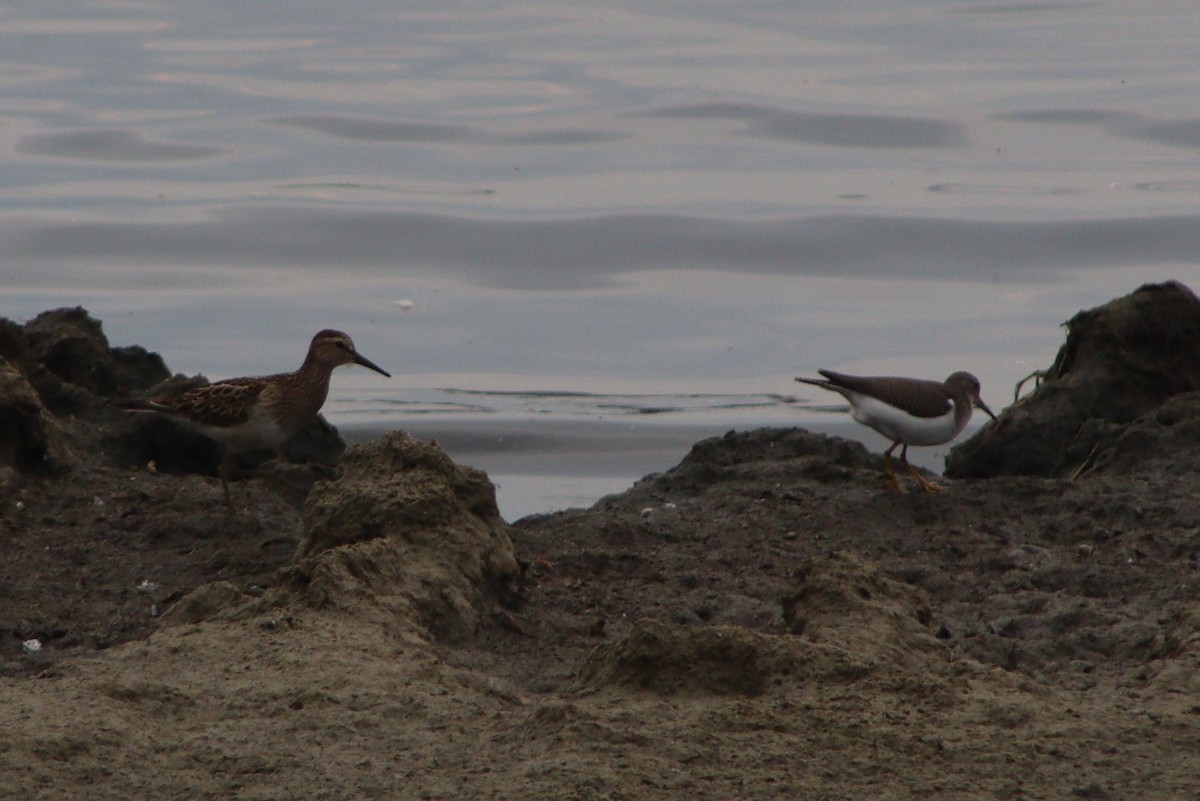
(365, 362)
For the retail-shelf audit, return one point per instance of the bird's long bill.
(979, 402)
(365, 362)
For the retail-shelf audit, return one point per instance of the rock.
(316, 443)
(14, 346)
(138, 369)
(68, 359)
(30, 439)
(71, 345)
(406, 529)
(796, 451)
(1120, 361)
(1161, 444)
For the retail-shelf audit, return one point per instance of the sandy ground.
(764, 620)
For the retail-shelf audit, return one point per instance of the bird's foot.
(927, 485)
(229, 507)
(282, 483)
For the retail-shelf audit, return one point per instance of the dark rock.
(1161, 444)
(316, 443)
(70, 344)
(14, 346)
(1120, 361)
(138, 369)
(795, 451)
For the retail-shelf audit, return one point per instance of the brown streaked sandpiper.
(263, 412)
(908, 411)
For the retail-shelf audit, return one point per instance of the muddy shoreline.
(762, 620)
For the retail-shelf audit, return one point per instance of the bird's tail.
(136, 404)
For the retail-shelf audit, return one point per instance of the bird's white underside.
(260, 431)
(898, 425)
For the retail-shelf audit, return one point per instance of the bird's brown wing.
(931, 401)
(224, 403)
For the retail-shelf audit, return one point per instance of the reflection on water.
(587, 253)
(839, 130)
(665, 210)
(449, 402)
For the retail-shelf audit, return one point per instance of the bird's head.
(331, 349)
(969, 384)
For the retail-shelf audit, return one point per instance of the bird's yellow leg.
(223, 474)
(925, 483)
(892, 482)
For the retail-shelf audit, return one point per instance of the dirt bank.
(764, 620)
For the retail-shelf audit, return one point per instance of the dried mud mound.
(31, 440)
(406, 529)
(845, 620)
(1121, 361)
(403, 537)
(848, 603)
(667, 658)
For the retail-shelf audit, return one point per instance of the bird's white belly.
(897, 425)
(260, 431)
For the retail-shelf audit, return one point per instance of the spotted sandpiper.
(908, 411)
(263, 412)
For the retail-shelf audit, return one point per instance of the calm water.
(583, 234)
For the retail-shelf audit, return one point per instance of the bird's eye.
(340, 344)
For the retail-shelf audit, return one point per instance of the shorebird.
(263, 412)
(908, 411)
